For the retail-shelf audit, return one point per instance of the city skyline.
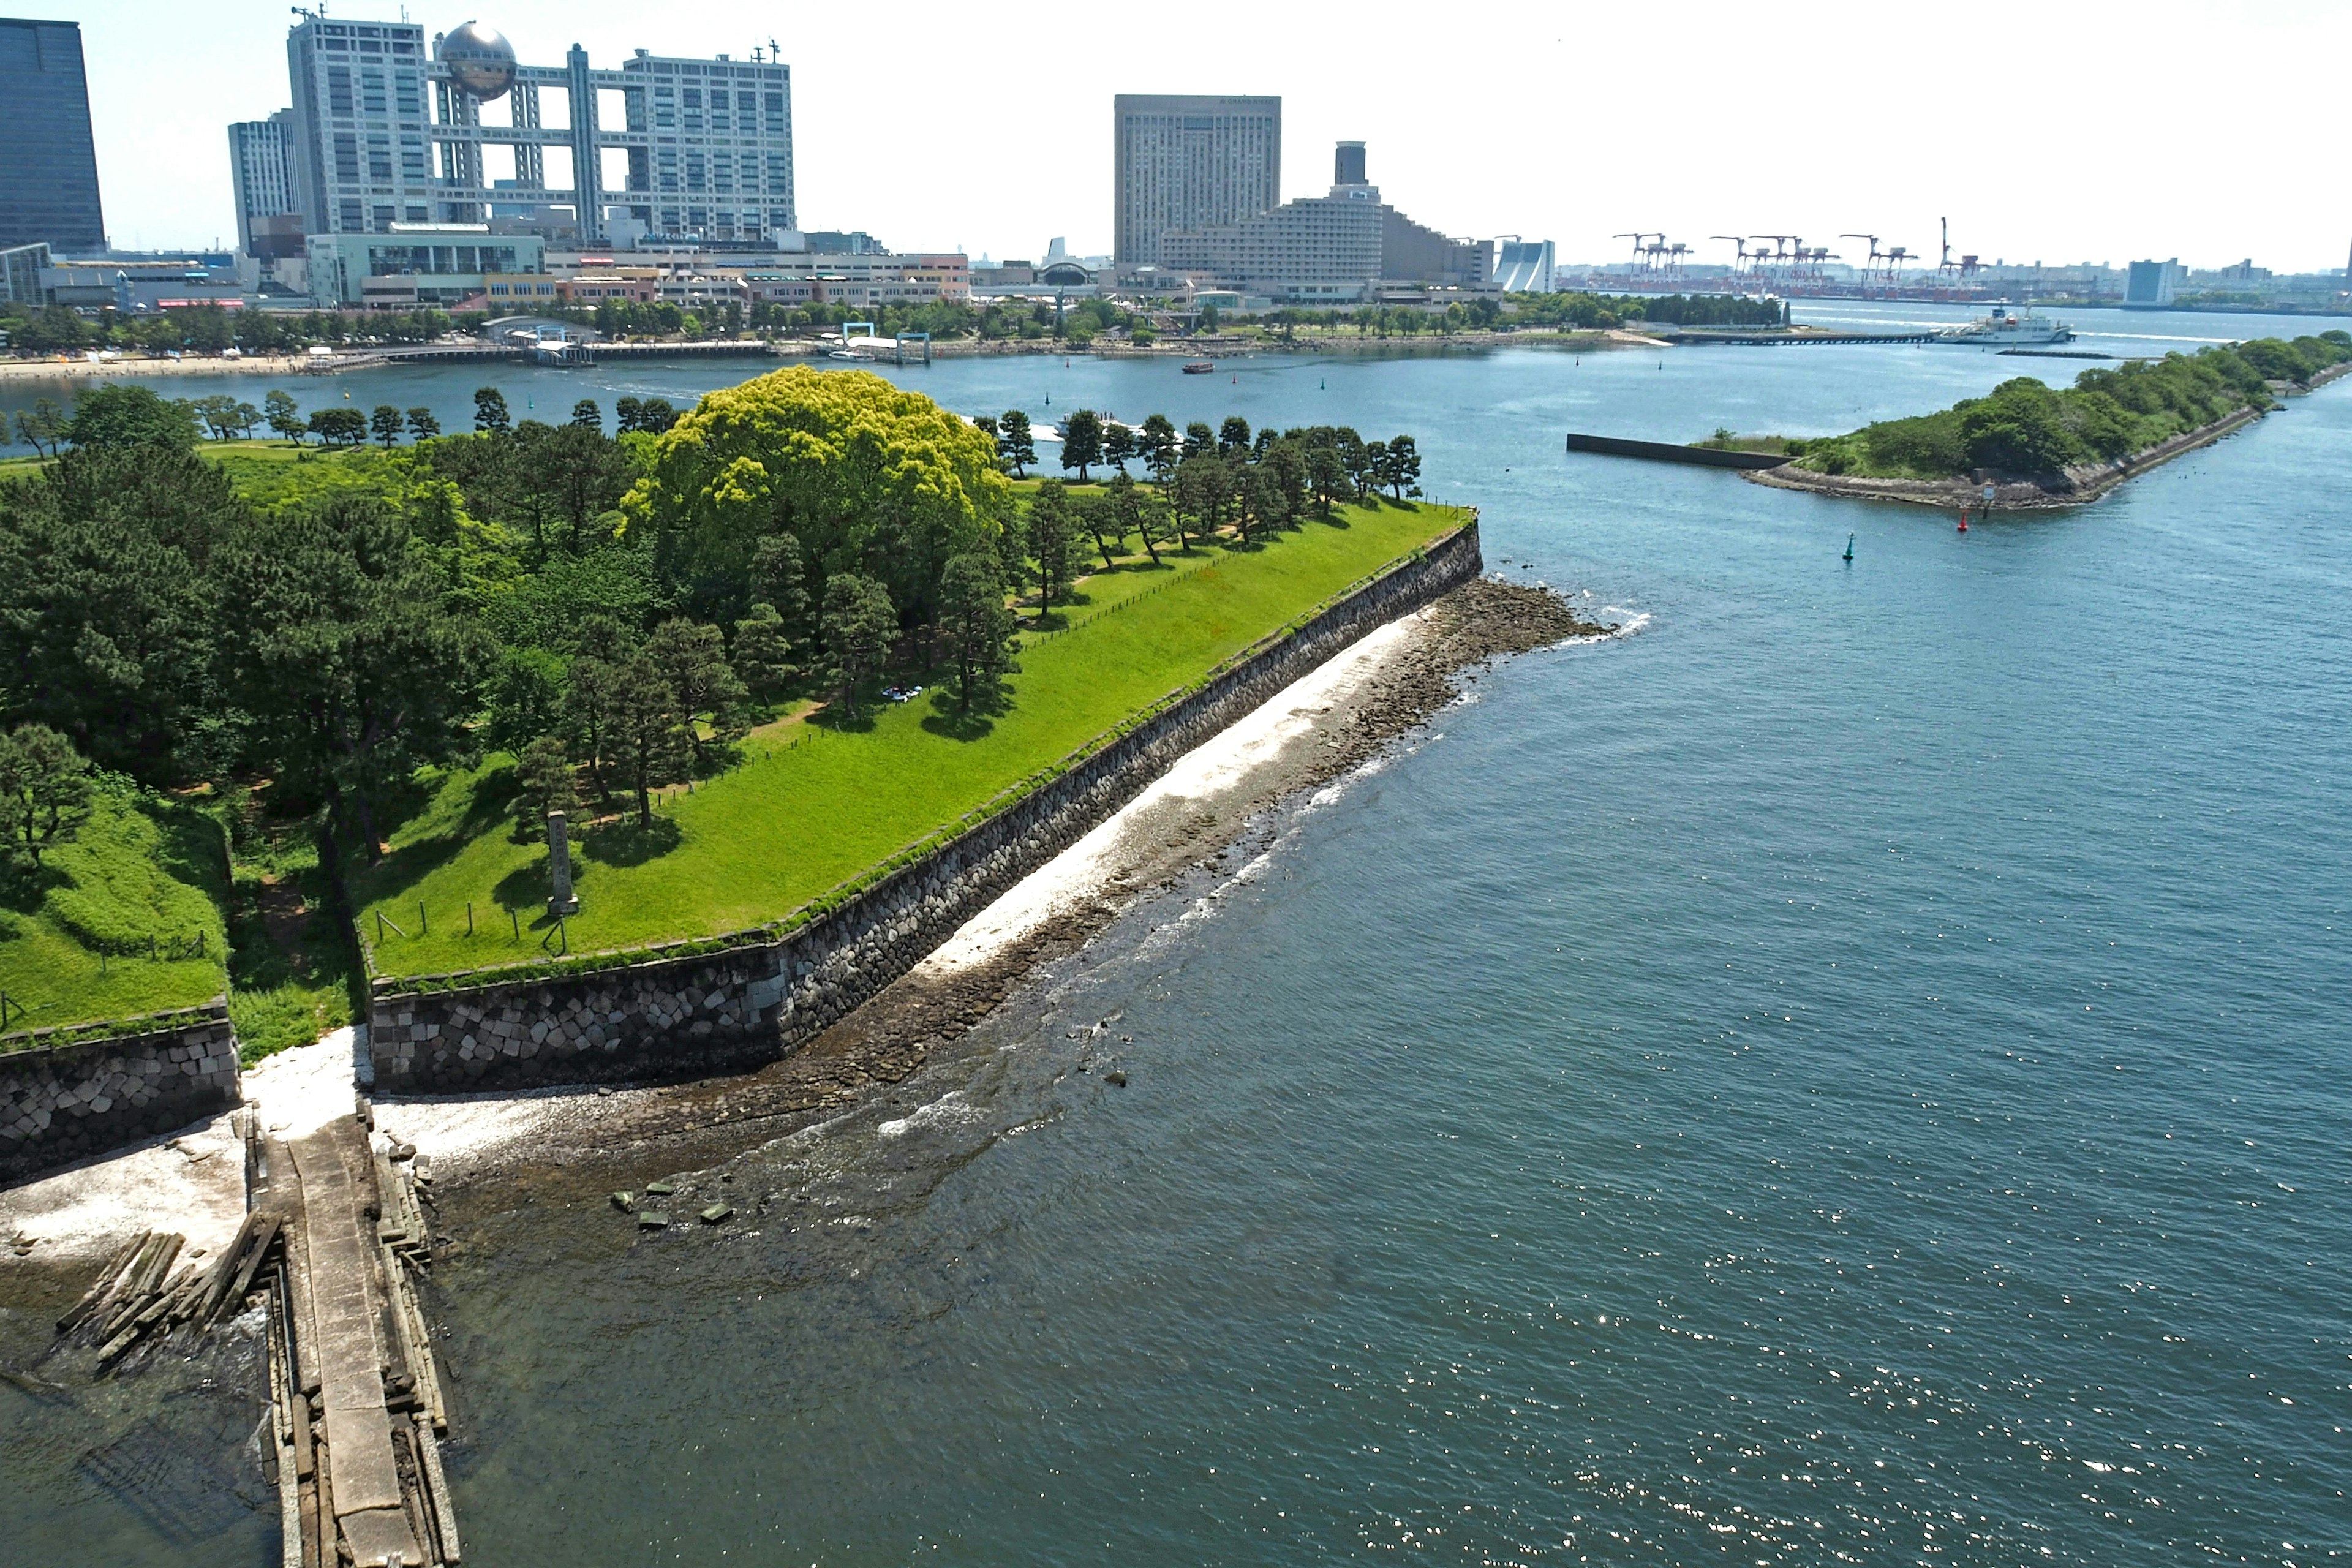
(1545, 136)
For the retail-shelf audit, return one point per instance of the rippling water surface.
(1855, 1071)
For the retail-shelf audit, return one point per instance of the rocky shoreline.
(893, 1036)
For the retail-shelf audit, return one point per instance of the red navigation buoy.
(1964, 521)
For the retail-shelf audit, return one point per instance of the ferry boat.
(1200, 367)
(2007, 327)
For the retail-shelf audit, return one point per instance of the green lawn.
(796, 820)
(74, 937)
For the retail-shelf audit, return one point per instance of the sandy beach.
(80, 369)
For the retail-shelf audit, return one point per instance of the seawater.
(1851, 1071)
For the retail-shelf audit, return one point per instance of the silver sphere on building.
(479, 59)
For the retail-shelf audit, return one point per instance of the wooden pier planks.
(346, 1307)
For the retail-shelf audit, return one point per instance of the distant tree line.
(2026, 427)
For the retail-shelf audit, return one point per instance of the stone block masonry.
(731, 1010)
(64, 1099)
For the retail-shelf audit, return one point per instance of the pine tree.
(544, 773)
(979, 627)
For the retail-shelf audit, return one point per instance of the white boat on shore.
(2007, 327)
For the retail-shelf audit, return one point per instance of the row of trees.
(614, 608)
(209, 329)
(2025, 427)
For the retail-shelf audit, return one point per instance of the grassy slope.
(132, 871)
(757, 842)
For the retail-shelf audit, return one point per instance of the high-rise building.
(388, 134)
(48, 167)
(261, 174)
(1186, 164)
(1334, 248)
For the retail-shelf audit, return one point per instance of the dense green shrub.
(139, 872)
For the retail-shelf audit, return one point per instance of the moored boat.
(1199, 366)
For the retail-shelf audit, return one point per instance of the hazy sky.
(2051, 131)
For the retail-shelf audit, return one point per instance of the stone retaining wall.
(65, 1102)
(727, 1011)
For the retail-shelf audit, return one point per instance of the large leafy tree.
(866, 477)
(344, 655)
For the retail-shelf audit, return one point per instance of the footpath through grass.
(797, 820)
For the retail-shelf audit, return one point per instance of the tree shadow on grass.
(953, 721)
(528, 887)
(628, 843)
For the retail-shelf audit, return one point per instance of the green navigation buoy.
(1849, 547)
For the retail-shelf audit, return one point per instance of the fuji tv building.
(390, 138)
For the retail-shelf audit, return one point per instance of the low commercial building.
(415, 266)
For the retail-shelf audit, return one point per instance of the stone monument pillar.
(558, 867)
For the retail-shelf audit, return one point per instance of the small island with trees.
(2041, 446)
(280, 716)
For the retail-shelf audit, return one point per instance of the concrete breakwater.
(667, 1017)
(67, 1097)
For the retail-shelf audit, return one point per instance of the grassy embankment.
(815, 804)
(122, 920)
(2025, 428)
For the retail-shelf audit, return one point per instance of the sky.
(2056, 131)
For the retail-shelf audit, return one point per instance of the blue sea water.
(1854, 1071)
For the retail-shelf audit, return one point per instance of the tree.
(1400, 464)
(1198, 441)
(588, 696)
(1234, 437)
(118, 415)
(344, 655)
(1119, 446)
(1355, 458)
(218, 413)
(859, 623)
(979, 627)
(655, 415)
(44, 789)
(1286, 466)
(524, 696)
(574, 471)
(1327, 475)
(648, 732)
(764, 652)
(868, 477)
(44, 426)
(340, 427)
(107, 605)
(284, 415)
(1123, 506)
(1082, 441)
(693, 659)
(422, 426)
(387, 423)
(777, 574)
(544, 772)
(1101, 519)
(246, 418)
(490, 415)
(1052, 543)
(1203, 483)
(625, 415)
(1015, 445)
(1157, 443)
(1156, 523)
(586, 415)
